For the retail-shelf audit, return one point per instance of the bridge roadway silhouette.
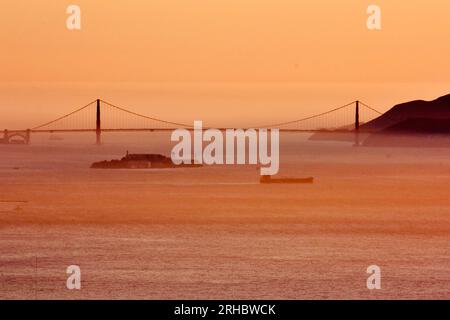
(346, 118)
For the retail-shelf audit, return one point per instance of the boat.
(269, 179)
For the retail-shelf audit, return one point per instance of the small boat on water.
(269, 179)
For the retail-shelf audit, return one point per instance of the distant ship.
(141, 161)
(269, 179)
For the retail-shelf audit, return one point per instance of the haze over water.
(26, 105)
(215, 232)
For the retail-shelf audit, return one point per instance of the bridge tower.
(28, 136)
(98, 129)
(5, 136)
(357, 124)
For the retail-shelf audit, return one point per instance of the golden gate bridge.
(101, 116)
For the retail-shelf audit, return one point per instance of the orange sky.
(244, 41)
(225, 40)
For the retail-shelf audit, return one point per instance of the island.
(141, 161)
